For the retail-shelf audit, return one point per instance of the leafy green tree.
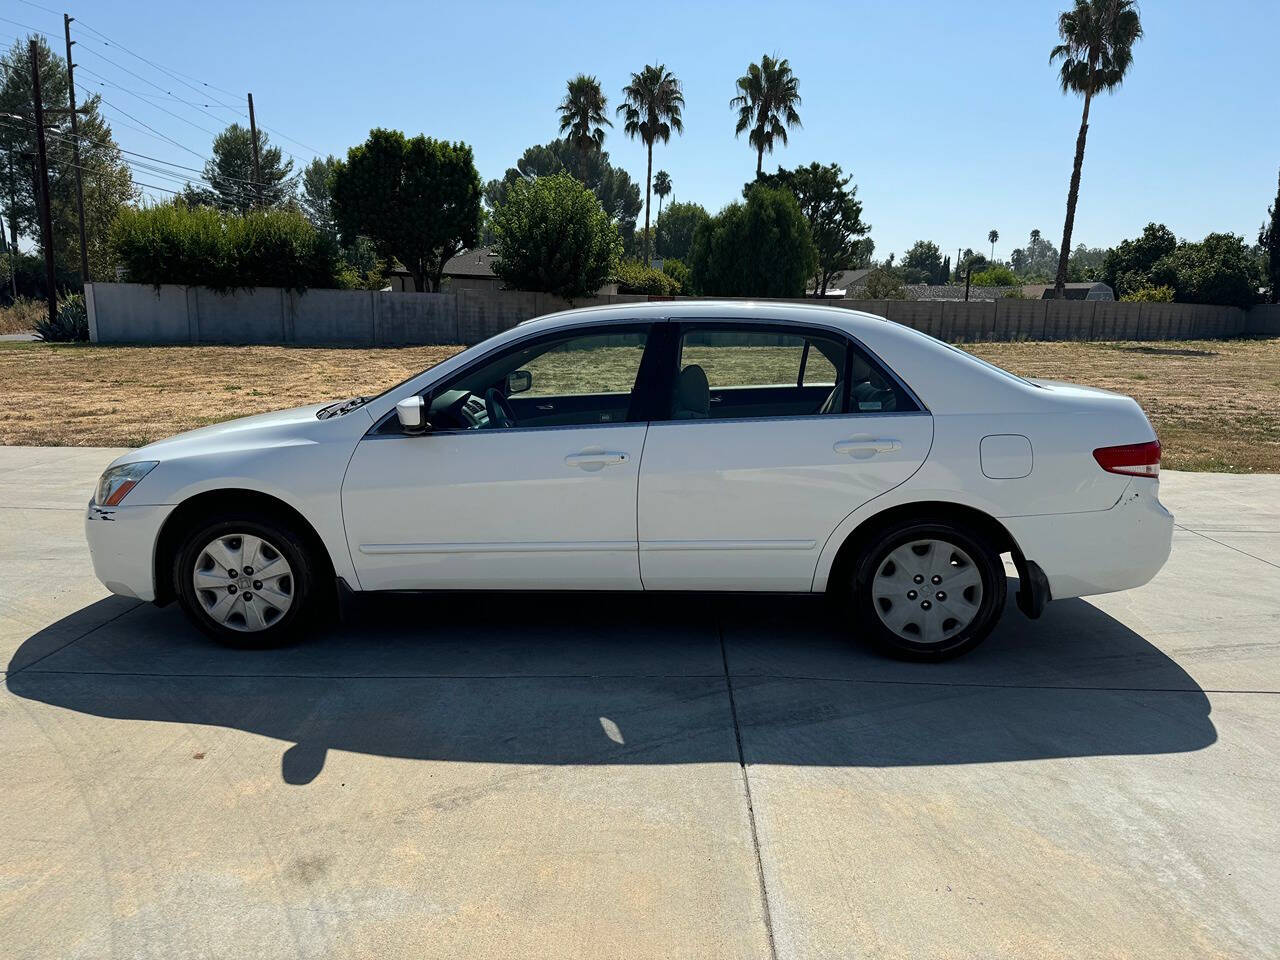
(652, 107)
(678, 272)
(884, 283)
(996, 275)
(417, 199)
(992, 237)
(552, 235)
(229, 174)
(1220, 269)
(1086, 264)
(582, 115)
(1149, 295)
(830, 203)
(768, 94)
(108, 185)
(1269, 238)
(1036, 261)
(613, 187)
(946, 269)
(662, 187)
(760, 248)
(1131, 264)
(1096, 51)
(316, 197)
(677, 227)
(925, 260)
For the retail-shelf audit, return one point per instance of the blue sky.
(948, 115)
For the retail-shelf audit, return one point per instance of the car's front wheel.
(246, 581)
(929, 590)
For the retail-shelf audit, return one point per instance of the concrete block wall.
(135, 313)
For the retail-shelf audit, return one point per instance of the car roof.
(711, 310)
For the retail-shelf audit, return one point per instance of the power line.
(178, 75)
(40, 6)
(225, 184)
(174, 74)
(107, 143)
(145, 96)
(162, 136)
(104, 82)
(27, 26)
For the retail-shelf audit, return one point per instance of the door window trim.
(679, 327)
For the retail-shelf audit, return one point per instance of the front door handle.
(865, 447)
(595, 459)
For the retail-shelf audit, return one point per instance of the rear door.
(745, 477)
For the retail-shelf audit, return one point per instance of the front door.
(528, 489)
(773, 437)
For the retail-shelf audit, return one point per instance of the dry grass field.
(21, 316)
(1216, 404)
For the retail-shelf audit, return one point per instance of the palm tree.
(767, 98)
(582, 116)
(1096, 51)
(662, 187)
(651, 105)
(993, 236)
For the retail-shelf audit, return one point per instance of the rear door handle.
(595, 459)
(546, 406)
(864, 448)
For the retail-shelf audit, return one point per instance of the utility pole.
(75, 151)
(257, 173)
(13, 230)
(42, 160)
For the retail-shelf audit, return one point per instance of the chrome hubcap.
(927, 591)
(243, 582)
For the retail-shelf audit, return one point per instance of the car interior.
(722, 374)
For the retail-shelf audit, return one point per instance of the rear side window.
(727, 372)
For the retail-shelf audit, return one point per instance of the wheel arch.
(927, 510)
(202, 505)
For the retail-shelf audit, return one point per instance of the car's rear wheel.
(246, 581)
(929, 590)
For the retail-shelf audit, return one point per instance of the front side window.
(728, 372)
(576, 379)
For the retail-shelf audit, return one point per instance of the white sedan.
(663, 446)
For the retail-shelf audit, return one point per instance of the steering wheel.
(500, 413)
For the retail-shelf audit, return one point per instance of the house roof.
(846, 279)
(473, 263)
(1073, 291)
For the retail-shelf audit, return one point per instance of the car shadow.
(648, 679)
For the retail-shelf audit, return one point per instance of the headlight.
(115, 484)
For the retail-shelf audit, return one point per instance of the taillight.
(1134, 459)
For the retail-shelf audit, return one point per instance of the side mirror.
(518, 381)
(412, 414)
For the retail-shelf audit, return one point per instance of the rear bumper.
(122, 544)
(1102, 551)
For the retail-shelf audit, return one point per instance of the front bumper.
(122, 543)
(1101, 551)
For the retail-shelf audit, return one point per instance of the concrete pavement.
(640, 777)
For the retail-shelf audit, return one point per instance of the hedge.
(203, 247)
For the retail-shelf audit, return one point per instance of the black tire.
(971, 544)
(302, 587)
